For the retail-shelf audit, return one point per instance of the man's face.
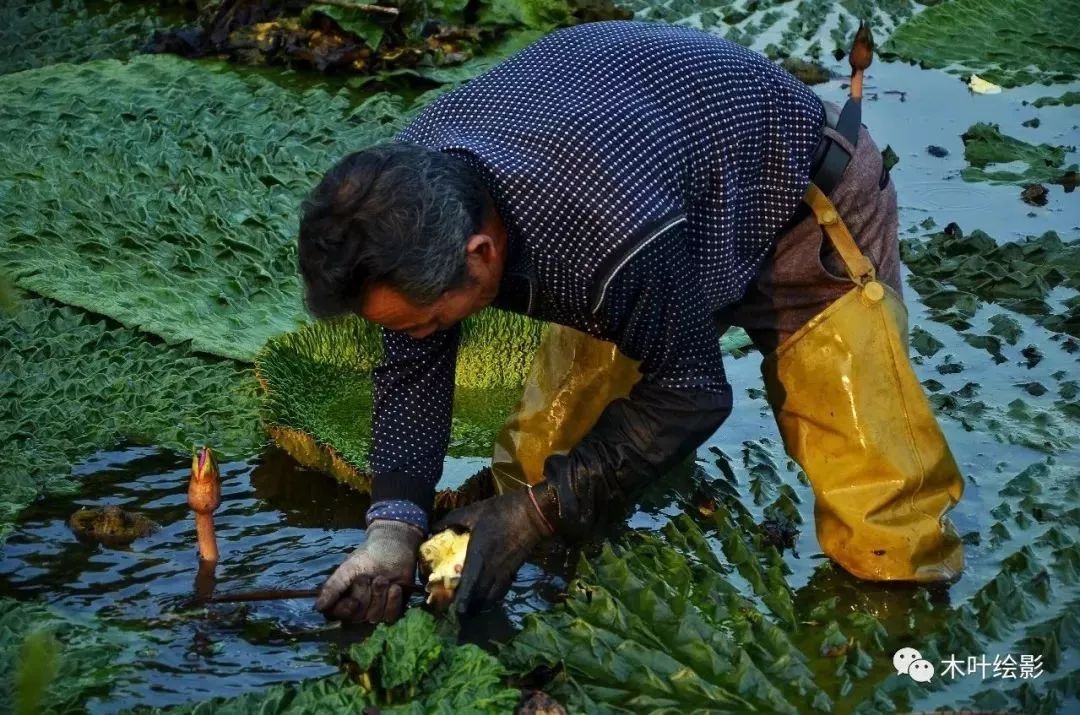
(389, 308)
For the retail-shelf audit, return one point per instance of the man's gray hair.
(396, 214)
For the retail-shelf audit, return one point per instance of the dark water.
(279, 526)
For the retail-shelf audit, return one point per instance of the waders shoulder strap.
(858, 266)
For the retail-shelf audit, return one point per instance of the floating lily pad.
(1035, 389)
(925, 343)
(1017, 275)
(1008, 42)
(73, 384)
(1067, 100)
(1005, 327)
(985, 145)
(949, 366)
(989, 343)
(1032, 355)
(165, 194)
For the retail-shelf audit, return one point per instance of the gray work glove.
(372, 584)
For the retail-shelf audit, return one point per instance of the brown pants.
(803, 275)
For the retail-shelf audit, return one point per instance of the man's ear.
(481, 246)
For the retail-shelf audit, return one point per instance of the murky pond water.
(279, 526)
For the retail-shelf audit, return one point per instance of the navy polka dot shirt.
(642, 172)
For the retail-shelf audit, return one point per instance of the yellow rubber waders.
(853, 415)
(573, 378)
(848, 404)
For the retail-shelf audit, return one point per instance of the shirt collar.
(517, 289)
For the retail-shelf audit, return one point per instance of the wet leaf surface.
(985, 146)
(188, 209)
(1033, 42)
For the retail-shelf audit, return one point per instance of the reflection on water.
(279, 526)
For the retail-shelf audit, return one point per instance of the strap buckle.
(859, 268)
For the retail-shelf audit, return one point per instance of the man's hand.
(371, 583)
(502, 532)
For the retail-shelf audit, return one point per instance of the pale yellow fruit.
(441, 559)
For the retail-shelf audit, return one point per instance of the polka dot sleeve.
(414, 392)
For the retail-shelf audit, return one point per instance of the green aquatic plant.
(73, 384)
(532, 14)
(35, 34)
(1006, 328)
(954, 271)
(545, 15)
(1025, 606)
(1066, 100)
(667, 609)
(165, 194)
(1018, 422)
(806, 27)
(39, 660)
(658, 625)
(412, 664)
(1008, 42)
(925, 343)
(411, 667)
(317, 388)
(364, 25)
(326, 695)
(8, 296)
(985, 145)
(52, 663)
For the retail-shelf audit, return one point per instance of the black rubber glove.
(635, 440)
(502, 532)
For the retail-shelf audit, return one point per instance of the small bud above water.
(204, 496)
